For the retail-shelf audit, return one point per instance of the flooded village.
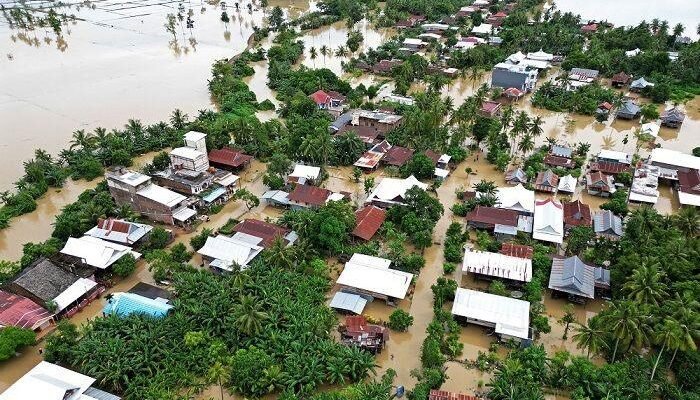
(486, 199)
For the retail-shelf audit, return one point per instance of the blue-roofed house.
(572, 278)
(124, 304)
(607, 225)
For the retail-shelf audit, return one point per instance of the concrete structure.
(505, 76)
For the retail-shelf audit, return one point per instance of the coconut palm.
(324, 52)
(218, 374)
(248, 315)
(527, 144)
(567, 319)
(678, 30)
(591, 337)
(485, 187)
(81, 139)
(688, 221)
(668, 335)
(341, 51)
(626, 323)
(178, 119)
(646, 284)
(535, 127)
(313, 54)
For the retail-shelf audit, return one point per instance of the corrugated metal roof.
(349, 302)
(571, 275)
(124, 304)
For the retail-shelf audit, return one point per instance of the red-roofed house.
(444, 395)
(307, 196)
(609, 167)
(513, 93)
(576, 214)
(409, 22)
(547, 181)
(589, 28)
(19, 311)
(368, 220)
(266, 231)
(397, 156)
(489, 217)
(228, 158)
(689, 187)
(516, 250)
(556, 161)
(620, 79)
(599, 184)
(490, 108)
(327, 100)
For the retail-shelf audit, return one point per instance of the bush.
(444, 290)
(8, 269)
(498, 288)
(197, 241)
(12, 339)
(431, 356)
(448, 268)
(400, 320)
(159, 238)
(124, 266)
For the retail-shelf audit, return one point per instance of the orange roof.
(445, 395)
(369, 220)
(516, 250)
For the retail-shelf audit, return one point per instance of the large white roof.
(305, 171)
(482, 29)
(73, 293)
(498, 265)
(516, 198)
(229, 251)
(135, 232)
(511, 316)
(389, 189)
(688, 199)
(48, 381)
(674, 158)
(567, 184)
(161, 195)
(374, 279)
(541, 56)
(189, 153)
(369, 261)
(412, 42)
(132, 178)
(619, 156)
(549, 221)
(194, 136)
(96, 252)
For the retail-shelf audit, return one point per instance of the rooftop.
(549, 221)
(497, 265)
(162, 195)
(605, 222)
(229, 157)
(493, 216)
(119, 231)
(19, 311)
(266, 231)
(510, 316)
(573, 276)
(674, 158)
(307, 194)
(577, 213)
(124, 304)
(392, 190)
(368, 221)
(229, 251)
(374, 277)
(96, 252)
(45, 280)
(516, 250)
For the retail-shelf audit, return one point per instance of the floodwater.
(632, 12)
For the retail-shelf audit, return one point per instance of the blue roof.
(124, 304)
(214, 194)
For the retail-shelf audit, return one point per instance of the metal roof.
(511, 317)
(573, 276)
(497, 265)
(604, 221)
(124, 304)
(549, 221)
(349, 302)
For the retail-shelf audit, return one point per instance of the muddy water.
(632, 12)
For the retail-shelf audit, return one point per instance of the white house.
(614, 156)
(483, 29)
(223, 252)
(372, 276)
(509, 317)
(516, 198)
(119, 231)
(303, 173)
(96, 252)
(549, 221)
(497, 265)
(567, 184)
(391, 191)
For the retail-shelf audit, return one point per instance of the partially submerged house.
(21, 312)
(620, 79)
(628, 110)
(54, 288)
(599, 184)
(392, 191)
(368, 220)
(489, 266)
(582, 77)
(490, 108)
(548, 224)
(124, 304)
(510, 318)
(223, 253)
(572, 278)
(611, 162)
(640, 84)
(670, 162)
(516, 198)
(608, 225)
(576, 213)
(503, 222)
(304, 175)
(307, 196)
(689, 187)
(371, 276)
(547, 181)
(445, 395)
(382, 122)
(645, 185)
(554, 161)
(263, 233)
(230, 159)
(506, 76)
(567, 184)
(94, 252)
(397, 156)
(348, 303)
(120, 231)
(516, 176)
(48, 381)
(358, 332)
(330, 101)
(672, 118)
(650, 129)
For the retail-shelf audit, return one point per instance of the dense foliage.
(13, 339)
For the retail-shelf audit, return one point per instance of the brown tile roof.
(368, 221)
(605, 105)
(398, 156)
(229, 157)
(19, 311)
(113, 225)
(490, 107)
(609, 167)
(307, 194)
(558, 161)
(620, 77)
(445, 395)
(547, 178)
(689, 181)
(368, 134)
(516, 250)
(432, 155)
(266, 231)
(493, 215)
(577, 214)
(599, 180)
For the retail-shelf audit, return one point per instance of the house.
(491, 218)
(547, 181)
(369, 160)
(581, 77)
(513, 93)
(567, 184)
(650, 129)
(94, 252)
(222, 253)
(263, 233)
(496, 19)
(368, 220)
(348, 303)
(670, 162)
(397, 156)
(410, 22)
(54, 288)
(548, 224)
(516, 176)
(19, 311)
(604, 109)
(48, 381)
(510, 318)
(307, 196)
(148, 199)
(640, 84)
(486, 265)
(516, 198)
(506, 76)
(645, 185)
(368, 134)
(430, 37)
(620, 79)
(602, 283)
(572, 278)
(328, 100)
(589, 28)
(392, 191)
(611, 162)
(628, 110)
(152, 292)
(556, 161)
(384, 67)
(304, 174)
(230, 159)
(124, 304)
(672, 118)
(189, 158)
(495, 41)
(599, 184)
(445, 395)
(278, 198)
(120, 231)
(576, 214)
(614, 156)
(490, 108)
(516, 250)
(689, 187)
(395, 98)
(484, 30)
(369, 275)
(413, 45)
(561, 151)
(185, 181)
(356, 332)
(382, 122)
(540, 56)
(466, 11)
(607, 225)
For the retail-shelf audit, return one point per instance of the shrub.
(448, 268)
(498, 288)
(400, 320)
(12, 339)
(197, 241)
(431, 356)
(444, 290)
(125, 266)
(159, 238)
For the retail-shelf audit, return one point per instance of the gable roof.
(397, 156)
(561, 151)
(307, 194)
(497, 265)
(229, 251)
(119, 231)
(96, 252)
(264, 230)
(577, 213)
(549, 221)
(673, 115)
(393, 190)
(493, 216)
(557, 161)
(547, 178)
(48, 381)
(368, 221)
(573, 276)
(620, 77)
(567, 184)
(609, 167)
(306, 172)
(124, 304)
(229, 157)
(605, 222)
(510, 316)
(19, 311)
(629, 107)
(444, 395)
(601, 181)
(375, 278)
(517, 175)
(44, 279)
(516, 198)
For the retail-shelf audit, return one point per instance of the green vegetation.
(13, 339)
(417, 218)
(125, 266)
(584, 100)
(400, 320)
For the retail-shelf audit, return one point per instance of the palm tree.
(324, 53)
(124, 211)
(646, 285)
(689, 325)
(688, 221)
(218, 373)
(313, 54)
(341, 51)
(527, 144)
(567, 319)
(655, 25)
(485, 187)
(668, 335)
(626, 323)
(590, 337)
(678, 30)
(535, 128)
(281, 256)
(248, 316)
(178, 119)
(81, 139)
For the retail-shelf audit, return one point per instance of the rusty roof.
(308, 194)
(445, 395)
(398, 156)
(577, 214)
(516, 250)
(368, 221)
(609, 167)
(19, 311)
(493, 215)
(266, 231)
(230, 157)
